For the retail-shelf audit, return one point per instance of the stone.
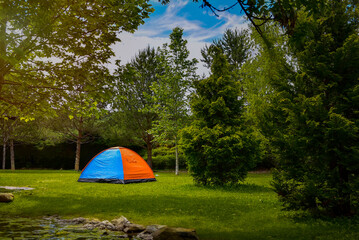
(120, 223)
(153, 228)
(167, 233)
(94, 221)
(6, 197)
(106, 225)
(134, 228)
(16, 188)
(89, 226)
(144, 236)
(79, 220)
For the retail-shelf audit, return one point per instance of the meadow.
(249, 211)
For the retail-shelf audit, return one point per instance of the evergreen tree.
(319, 160)
(235, 45)
(218, 150)
(309, 111)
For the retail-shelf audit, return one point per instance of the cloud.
(160, 25)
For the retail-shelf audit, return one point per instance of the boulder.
(94, 221)
(134, 228)
(6, 197)
(167, 233)
(120, 223)
(144, 236)
(106, 225)
(153, 228)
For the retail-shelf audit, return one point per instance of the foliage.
(43, 44)
(218, 150)
(249, 211)
(235, 45)
(164, 158)
(311, 110)
(133, 97)
(170, 94)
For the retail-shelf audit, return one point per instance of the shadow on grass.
(240, 188)
(308, 218)
(195, 207)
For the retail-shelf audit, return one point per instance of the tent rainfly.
(117, 165)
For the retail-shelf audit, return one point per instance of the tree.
(235, 45)
(319, 160)
(80, 108)
(313, 102)
(171, 92)
(41, 38)
(133, 98)
(310, 114)
(218, 149)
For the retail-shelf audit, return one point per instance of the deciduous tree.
(133, 97)
(172, 91)
(41, 38)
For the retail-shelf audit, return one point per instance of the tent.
(117, 165)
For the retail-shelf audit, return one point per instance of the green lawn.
(251, 211)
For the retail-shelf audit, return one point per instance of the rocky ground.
(54, 227)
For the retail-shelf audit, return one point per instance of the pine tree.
(217, 148)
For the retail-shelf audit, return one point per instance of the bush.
(163, 158)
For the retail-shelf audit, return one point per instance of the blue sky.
(200, 26)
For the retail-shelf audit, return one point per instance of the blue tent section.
(105, 167)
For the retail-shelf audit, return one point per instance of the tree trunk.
(176, 149)
(78, 152)
(12, 154)
(4, 152)
(149, 154)
(78, 146)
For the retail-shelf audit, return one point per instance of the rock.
(120, 223)
(94, 221)
(167, 233)
(89, 226)
(106, 225)
(79, 220)
(144, 236)
(153, 228)
(134, 228)
(6, 197)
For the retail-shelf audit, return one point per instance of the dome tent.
(117, 165)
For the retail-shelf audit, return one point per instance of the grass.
(251, 211)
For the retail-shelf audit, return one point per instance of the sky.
(200, 26)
